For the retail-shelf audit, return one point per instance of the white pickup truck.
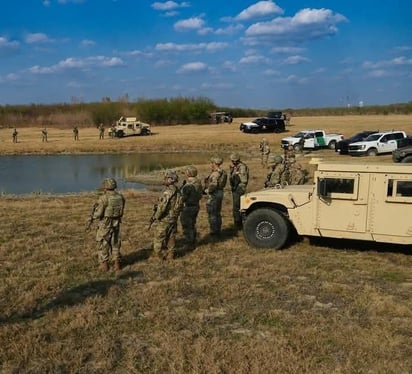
(311, 139)
(381, 142)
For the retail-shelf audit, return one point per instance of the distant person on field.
(14, 134)
(264, 151)
(101, 131)
(297, 174)
(76, 133)
(44, 135)
(108, 211)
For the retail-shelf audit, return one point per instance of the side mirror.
(322, 187)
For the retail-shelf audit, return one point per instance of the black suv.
(404, 151)
(263, 124)
(343, 145)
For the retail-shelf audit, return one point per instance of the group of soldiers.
(283, 170)
(175, 202)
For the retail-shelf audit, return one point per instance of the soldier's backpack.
(115, 205)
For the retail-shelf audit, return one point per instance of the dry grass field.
(314, 307)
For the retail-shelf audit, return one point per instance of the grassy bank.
(324, 306)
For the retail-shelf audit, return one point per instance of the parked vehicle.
(347, 200)
(404, 151)
(312, 139)
(343, 145)
(378, 143)
(129, 126)
(263, 124)
(220, 117)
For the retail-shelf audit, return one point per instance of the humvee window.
(397, 188)
(343, 188)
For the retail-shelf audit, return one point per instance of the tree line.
(165, 111)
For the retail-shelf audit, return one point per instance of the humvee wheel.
(266, 228)
(407, 159)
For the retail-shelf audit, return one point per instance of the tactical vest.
(115, 204)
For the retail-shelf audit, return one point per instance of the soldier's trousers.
(188, 219)
(214, 209)
(108, 241)
(165, 236)
(237, 218)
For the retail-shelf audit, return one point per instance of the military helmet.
(109, 184)
(216, 160)
(172, 176)
(235, 157)
(191, 171)
(277, 159)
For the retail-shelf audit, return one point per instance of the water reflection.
(76, 173)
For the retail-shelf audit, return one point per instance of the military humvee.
(368, 201)
(129, 126)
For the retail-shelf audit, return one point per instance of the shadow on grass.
(360, 245)
(137, 256)
(73, 296)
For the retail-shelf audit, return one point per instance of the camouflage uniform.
(166, 215)
(239, 178)
(44, 135)
(297, 174)
(192, 192)
(109, 212)
(76, 133)
(275, 176)
(265, 151)
(101, 131)
(15, 135)
(214, 184)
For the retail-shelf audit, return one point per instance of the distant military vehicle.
(220, 117)
(129, 126)
(370, 201)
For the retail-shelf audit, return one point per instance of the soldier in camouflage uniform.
(275, 176)
(264, 151)
(192, 191)
(108, 211)
(166, 214)
(14, 134)
(238, 178)
(297, 174)
(214, 185)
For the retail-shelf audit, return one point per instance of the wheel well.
(278, 207)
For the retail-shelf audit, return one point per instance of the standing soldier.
(14, 135)
(274, 177)
(192, 192)
(101, 131)
(239, 178)
(264, 151)
(44, 135)
(296, 173)
(108, 210)
(289, 152)
(214, 185)
(166, 214)
(76, 133)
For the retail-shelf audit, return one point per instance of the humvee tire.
(266, 228)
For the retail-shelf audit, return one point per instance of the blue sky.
(248, 54)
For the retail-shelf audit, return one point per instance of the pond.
(22, 174)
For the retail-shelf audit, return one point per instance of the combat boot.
(169, 256)
(104, 266)
(117, 265)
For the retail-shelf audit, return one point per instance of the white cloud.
(287, 50)
(7, 45)
(395, 62)
(193, 67)
(379, 73)
(36, 38)
(253, 59)
(307, 24)
(193, 23)
(210, 47)
(258, 10)
(70, 1)
(76, 63)
(87, 43)
(271, 72)
(296, 80)
(169, 5)
(294, 60)
(230, 30)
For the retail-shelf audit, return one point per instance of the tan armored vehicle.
(368, 201)
(129, 126)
